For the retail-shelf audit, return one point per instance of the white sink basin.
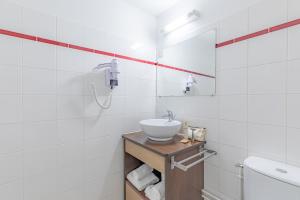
(160, 129)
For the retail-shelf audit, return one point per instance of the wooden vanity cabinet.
(179, 184)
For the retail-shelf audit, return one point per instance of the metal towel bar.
(209, 196)
(180, 164)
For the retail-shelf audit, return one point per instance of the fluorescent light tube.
(182, 21)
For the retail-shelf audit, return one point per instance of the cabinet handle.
(180, 164)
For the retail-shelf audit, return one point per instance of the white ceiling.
(154, 7)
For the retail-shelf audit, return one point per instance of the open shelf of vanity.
(180, 184)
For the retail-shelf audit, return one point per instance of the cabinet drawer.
(132, 194)
(150, 158)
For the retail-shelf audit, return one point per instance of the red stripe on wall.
(259, 33)
(252, 35)
(81, 48)
(47, 41)
(17, 35)
(184, 70)
(86, 49)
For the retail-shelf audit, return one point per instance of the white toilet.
(269, 180)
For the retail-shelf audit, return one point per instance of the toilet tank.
(269, 180)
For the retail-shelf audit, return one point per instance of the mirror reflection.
(196, 63)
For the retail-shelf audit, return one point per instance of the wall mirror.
(188, 67)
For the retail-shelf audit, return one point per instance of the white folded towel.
(156, 192)
(143, 183)
(141, 172)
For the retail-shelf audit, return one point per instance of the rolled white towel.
(156, 192)
(143, 183)
(141, 172)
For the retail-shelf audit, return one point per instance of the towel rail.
(180, 164)
(209, 196)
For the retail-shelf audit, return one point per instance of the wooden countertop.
(164, 149)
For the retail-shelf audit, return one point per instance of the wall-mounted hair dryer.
(111, 81)
(111, 73)
(189, 84)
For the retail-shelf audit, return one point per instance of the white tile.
(70, 83)
(71, 60)
(36, 54)
(38, 81)
(233, 133)
(70, 131)
(40, 134)
(70, 155)
(293, 42)
(230, 156)
(267, 141)
(211, 177)
(96, 189)
(293, 9)
(269, 78)
(146, 104)
(267, 109)
(96, 147)
(293, 148)
(10, 80)
(233, 81)
(10, 49)
(70, 177)
(268, 48)
(92, 172)
(232, 56)
(10, 167)
(266, 14)
(74, 194)
(234, 26)
(70, 32)
(38, 24)
(12, 191)
(40, 187)
(39, 161)
(293, 110)
(92, 39)
(233, 107)
(229, 185)
(293, 82)
(140, 87)
(8, 20)
(10, 106)
(96, 127)
(39, 107)
(70, 106)
(11, 138)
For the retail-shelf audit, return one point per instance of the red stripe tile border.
(184, 70)
(17, 35)
(285, 25)
(86, 49)
(71, 46)
(105, 53)
(259, 33)
(47, 41)
(252, 35)
(224, 43)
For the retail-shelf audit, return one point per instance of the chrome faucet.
(170, 115)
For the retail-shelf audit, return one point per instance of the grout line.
(286, 84)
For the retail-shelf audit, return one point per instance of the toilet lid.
(277, 170)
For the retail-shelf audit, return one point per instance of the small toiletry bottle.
(185, 130)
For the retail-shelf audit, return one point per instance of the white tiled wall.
(55, 143)
(257, 97)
